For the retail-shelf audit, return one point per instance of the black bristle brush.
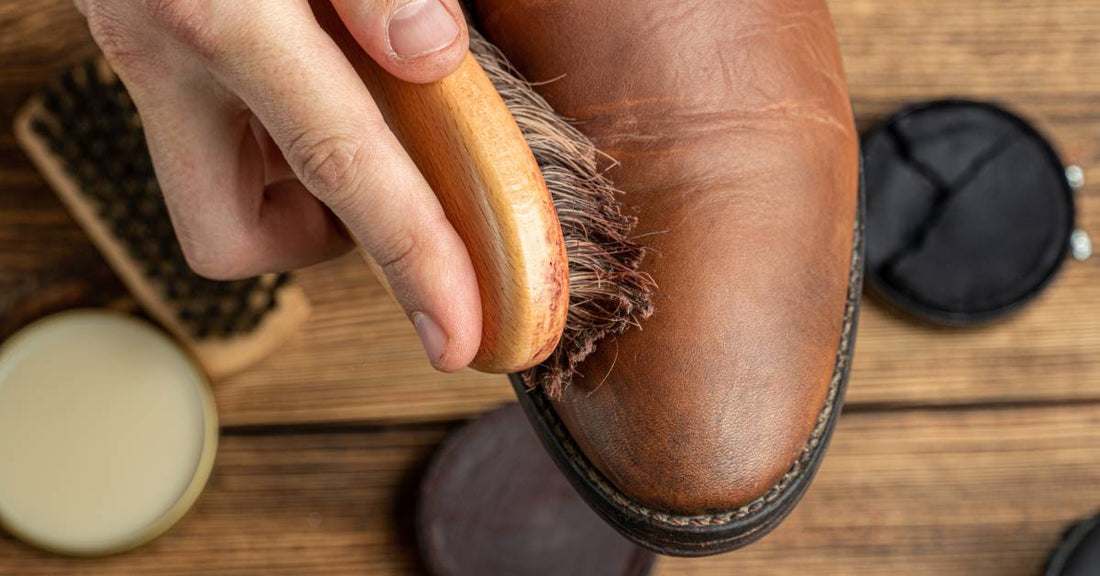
(85, 136)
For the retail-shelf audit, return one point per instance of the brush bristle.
(607, 292)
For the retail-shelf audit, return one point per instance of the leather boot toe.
(735, 145)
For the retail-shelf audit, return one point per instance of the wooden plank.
(947, 492)
(359, 361)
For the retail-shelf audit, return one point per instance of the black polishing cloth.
(969, 212)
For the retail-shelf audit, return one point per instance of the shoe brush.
(84, 135)
(551, 248)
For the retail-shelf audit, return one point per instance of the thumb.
(415, 40)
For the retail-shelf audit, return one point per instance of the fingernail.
(421, 27)
(431, 336)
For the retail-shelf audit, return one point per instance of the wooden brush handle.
(467, 145)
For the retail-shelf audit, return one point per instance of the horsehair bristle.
(607, 292)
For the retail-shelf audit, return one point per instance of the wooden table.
(960, 451)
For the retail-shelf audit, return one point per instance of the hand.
(264, 139)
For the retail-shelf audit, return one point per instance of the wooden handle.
(467, 145)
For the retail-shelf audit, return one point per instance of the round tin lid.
(493, 503)
(107, 433)
(969, 211)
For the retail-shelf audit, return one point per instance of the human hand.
(264, 140)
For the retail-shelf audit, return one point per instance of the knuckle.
(116, 38)
(396, 253)
(329, 166)
(214, 262)
(187, 21)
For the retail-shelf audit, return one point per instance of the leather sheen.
(736, 147)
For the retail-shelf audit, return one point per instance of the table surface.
(960, 451)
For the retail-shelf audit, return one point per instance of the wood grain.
(357, 360)
(946, 492)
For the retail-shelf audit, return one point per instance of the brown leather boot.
(698, 432)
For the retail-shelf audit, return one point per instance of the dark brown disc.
(493, 503)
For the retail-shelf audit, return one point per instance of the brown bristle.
(607, 292)
(91, 126)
